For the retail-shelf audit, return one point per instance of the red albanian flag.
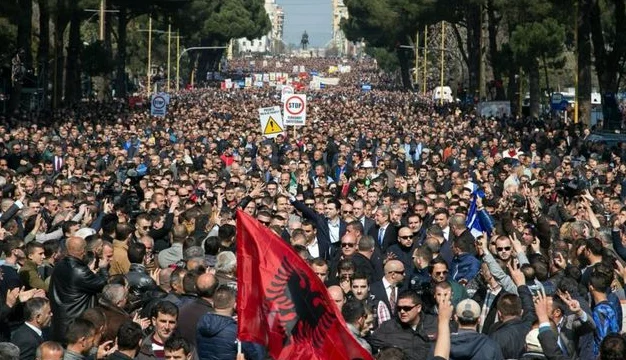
(282, 304)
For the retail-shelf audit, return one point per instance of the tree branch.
(459, 40)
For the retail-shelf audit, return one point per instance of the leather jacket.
(73, 289)
(139, 281)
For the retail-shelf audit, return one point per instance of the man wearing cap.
(466, 343)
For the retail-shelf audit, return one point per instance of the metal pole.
(521, 91)
(169, 47)
(149, 56)
(576, 64)
(417, 56)
(102, 18)
(443, 45)
(425, 58)
(177, 61)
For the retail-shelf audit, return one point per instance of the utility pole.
(576, 64)
(102, 18)
(177, 61)
(169, 48)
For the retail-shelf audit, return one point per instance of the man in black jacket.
(517, 315)
(29, 336)
(139, 281)
(411, 330)
(74, 285)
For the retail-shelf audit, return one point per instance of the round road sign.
(294, 105)
(158, 102)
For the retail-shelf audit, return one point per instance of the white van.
(444, 92)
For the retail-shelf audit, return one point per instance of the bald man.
(337, 295)
(49, 350)
(387, 289)
(191, 312)
(74, 285)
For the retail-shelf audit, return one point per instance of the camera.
(568, 189)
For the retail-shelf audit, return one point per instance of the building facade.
(271, 42)
(339, 41)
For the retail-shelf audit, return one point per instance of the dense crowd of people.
(438, 233)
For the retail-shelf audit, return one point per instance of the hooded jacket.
(468, 345)
(216, 339)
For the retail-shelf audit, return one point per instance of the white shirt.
(388, 288)
(333, 231)
(314, 249)
(446, 233)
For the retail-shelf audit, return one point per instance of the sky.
(314, 16)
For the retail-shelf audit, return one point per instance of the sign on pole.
(271, 121)
(286, 92)
(295, 110)
(158, 104)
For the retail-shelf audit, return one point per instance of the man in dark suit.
(358, 208)
(29, 335)
(386, 290)
(329, 231)
(385, 233)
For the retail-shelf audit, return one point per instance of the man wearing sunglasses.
(410, 330)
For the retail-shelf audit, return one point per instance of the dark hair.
(123, 231)
(33, 307)
(226, 232)
(175, 343)
(165, 307)
(224, 297)
(600, 281)
(10, 245)
(410, 294)
(32, 246)
(360, 276)
(594, 245)
(352, 311)
(67, 225)
(212, 245)
(510, 305)
(78, 329)
(189, 282)
(136, 252)
(128, 336)
(50, 248)
(613, 347)
(435, 261)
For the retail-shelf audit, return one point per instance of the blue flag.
(473, 221)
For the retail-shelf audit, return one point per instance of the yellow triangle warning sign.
(272, 127)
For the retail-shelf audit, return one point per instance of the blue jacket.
(216, 339)
(465, 266)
